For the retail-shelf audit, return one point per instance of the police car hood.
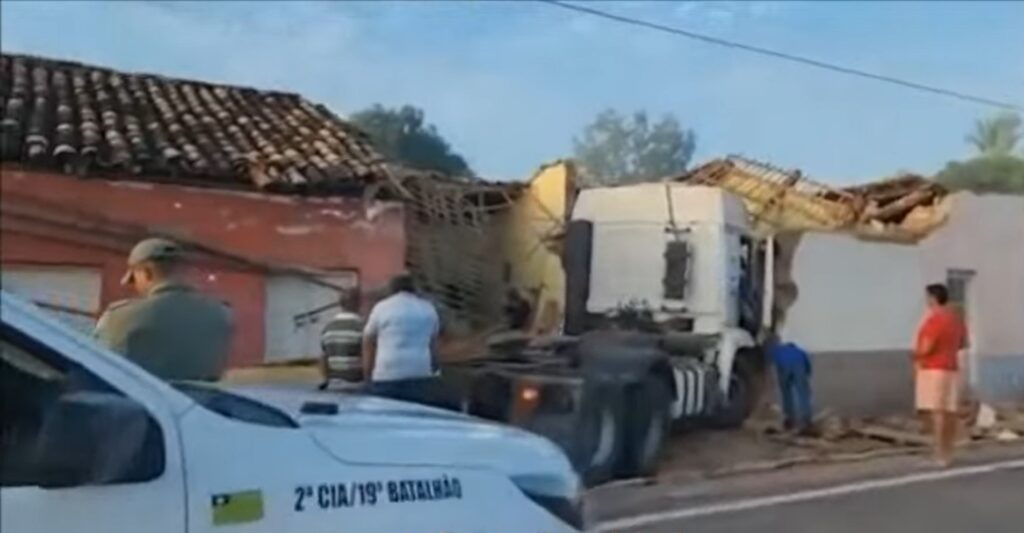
(369, 429)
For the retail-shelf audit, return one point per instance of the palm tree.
(997, 135)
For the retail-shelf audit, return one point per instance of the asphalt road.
(985, 495)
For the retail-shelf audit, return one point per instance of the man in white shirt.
(400, 344)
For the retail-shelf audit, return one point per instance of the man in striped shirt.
(341, 343)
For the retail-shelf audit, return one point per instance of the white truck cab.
(93, 443)
(687, 257)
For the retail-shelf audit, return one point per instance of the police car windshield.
(234, 406)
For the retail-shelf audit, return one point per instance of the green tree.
(615, 149)
(402, 135)
(997, 168)
(997, 135)
(1000, 173)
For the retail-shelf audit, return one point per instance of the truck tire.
(742, 396)
(600, 443)
(576, 252)
(646, 426)
(490, 398)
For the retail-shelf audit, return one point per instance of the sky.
(510, 84)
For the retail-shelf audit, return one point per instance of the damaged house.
(851, 266)
(284, 204)
(266, 188)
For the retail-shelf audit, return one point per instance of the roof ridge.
(81, 118)
(72, 64)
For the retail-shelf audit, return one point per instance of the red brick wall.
(328, 234)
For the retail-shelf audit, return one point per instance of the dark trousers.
(427, 391)
(795, 396)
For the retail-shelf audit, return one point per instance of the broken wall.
(534, 228)
(455, 242)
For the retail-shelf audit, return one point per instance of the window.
(62, 426)
(235, 407)
(677, 270)
(958, 282)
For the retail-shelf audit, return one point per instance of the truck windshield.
(234, 406)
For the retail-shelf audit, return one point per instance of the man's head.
(150, 262)
(349, 300)
(937, 295)
(403, 282)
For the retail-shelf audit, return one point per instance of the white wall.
(853, 295)
(867, 296)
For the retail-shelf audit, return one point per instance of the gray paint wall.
(859, 304)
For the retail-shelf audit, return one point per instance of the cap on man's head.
(152, 249)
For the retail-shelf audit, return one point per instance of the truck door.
(79, 452)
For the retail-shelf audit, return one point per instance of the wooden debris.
(894, 436)
(1007, 435)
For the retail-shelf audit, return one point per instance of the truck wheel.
(742, 395)
(600, 435)
(645, 427)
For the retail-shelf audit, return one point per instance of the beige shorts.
(937, 390)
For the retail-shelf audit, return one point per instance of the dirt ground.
(761, 445)
(713, 452)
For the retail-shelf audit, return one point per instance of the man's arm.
(926, 346)
(111, 330)
(370, 345)
(369, 355)
(435, 348)
(435, 343)
(926, 340)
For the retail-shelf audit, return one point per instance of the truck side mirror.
(97, 438)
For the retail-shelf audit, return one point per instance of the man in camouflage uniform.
(171, 330)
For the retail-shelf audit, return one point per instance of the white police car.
(92, 443)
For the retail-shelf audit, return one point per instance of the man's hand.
(369, 355)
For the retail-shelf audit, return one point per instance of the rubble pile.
(905, 208)
(832, 432)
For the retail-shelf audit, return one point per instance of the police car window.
(19, 360)
(234, 406)
(39, 391)
(27, 386)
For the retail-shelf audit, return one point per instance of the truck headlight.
(566, 507)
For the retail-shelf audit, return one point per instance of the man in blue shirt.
(793, 373)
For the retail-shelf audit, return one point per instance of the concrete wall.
(859, 304)
(51, 219)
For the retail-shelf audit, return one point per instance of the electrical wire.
(785, 56)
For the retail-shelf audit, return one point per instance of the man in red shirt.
(937, 376)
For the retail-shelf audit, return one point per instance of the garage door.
(72, 294)
(294, 317)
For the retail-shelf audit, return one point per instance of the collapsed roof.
(904, 208)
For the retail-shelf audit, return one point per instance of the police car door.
(81, 452)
